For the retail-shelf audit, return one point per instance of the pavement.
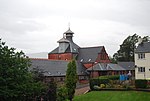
(82, 89)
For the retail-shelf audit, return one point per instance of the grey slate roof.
(144, 47)
(63, 40)
(54, 67)
(106, 67)
(54, 51)
(73, 48)
(89, 54)
(68, 31)
(127, 65)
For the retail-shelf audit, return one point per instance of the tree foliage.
(52, 94)
(71, 79)
(16, 82)
(126, 51)
(61, 93)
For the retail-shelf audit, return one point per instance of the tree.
(16, 82)
(126, 51)
(71, 79)
(61, 93)
(52, 94)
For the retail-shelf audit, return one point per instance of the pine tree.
(71, 79)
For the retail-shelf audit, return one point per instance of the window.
(141, 56)
(61, 79)
(89, 60)
(141, 69)
(81, 60)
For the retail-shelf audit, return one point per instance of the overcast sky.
(36, 25)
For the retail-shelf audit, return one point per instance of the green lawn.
(114, 96)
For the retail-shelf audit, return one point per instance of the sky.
(35, 26)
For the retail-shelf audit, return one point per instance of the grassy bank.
(114, 96)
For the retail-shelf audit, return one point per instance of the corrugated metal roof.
(106, 67)
(98, 67)
(114, 67)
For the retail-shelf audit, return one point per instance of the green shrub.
(103, 81)
(139, 83)
(98, 81)
(62, 93)
(111, 77)
(102, 86)
(96, 87)
(93, 82)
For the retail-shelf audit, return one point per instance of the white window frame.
(141, 69)
(141, 55)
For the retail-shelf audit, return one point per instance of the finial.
(69, 25)
(63, 35)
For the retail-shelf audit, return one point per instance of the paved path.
(82, 90)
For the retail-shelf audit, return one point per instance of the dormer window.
(89, 59)
(81, 60)
(49, 73)
(141, 55)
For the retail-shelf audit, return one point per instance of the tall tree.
(71, 79)
(126, 51)
(16, 82)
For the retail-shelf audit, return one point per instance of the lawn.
(114, 96)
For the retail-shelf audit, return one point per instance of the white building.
(142, 61)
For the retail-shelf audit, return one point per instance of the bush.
(96, 87)
(61, 93)
(102, 86)
(93, 82)
(140, 83)
(111, 77)
(98, 81)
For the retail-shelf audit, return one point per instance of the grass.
(114, 96)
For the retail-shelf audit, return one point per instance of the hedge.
(111, 77)
(102, 80)
(140, 83)
(98, 81)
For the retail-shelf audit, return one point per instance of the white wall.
(142, 63)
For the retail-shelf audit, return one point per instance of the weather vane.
(69, 25)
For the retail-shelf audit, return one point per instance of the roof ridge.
(39, 58)
(91, 47)
(47, 59)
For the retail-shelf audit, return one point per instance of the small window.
(90, 59)
(81, 60)
(61, 79)
(141, 56)
(141, 69)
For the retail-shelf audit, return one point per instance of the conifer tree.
(71, 79)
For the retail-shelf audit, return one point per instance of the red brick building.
(68, 50)
(90, 61)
